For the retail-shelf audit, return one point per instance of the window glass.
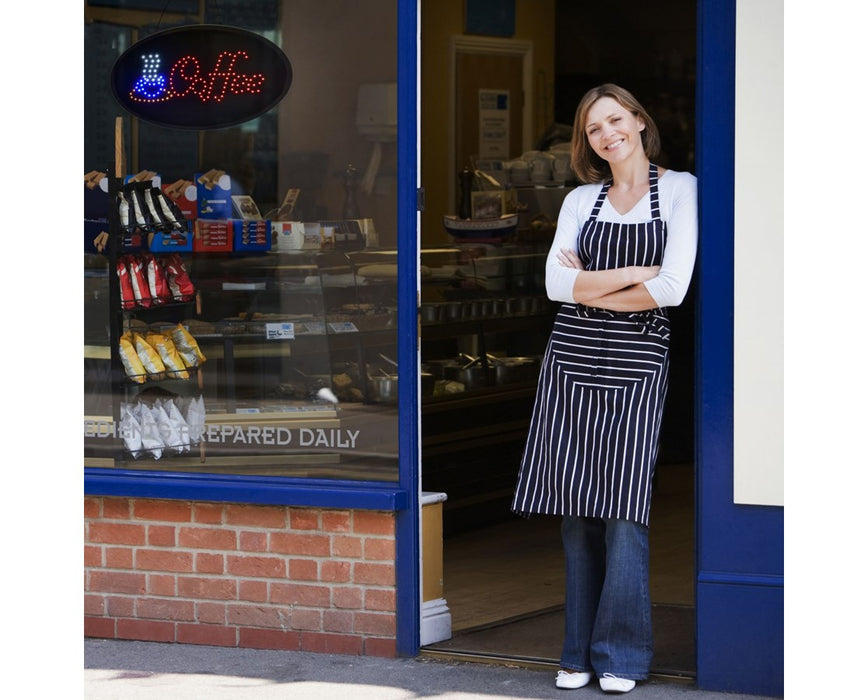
(240, 284)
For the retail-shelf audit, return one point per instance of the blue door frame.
(408, 545)
(740, 581)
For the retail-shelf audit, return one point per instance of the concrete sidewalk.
(145, 670)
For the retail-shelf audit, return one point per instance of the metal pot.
(479, 308)
(383, 387)
(517, 305)
(476, 373)
(430, 312)
(516, 369)
(452, 311)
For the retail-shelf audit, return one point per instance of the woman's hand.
(569, 258)
(592, 287)
(632, 274)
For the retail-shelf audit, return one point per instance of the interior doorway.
(479, 65)
(494, 77)
(503, 580)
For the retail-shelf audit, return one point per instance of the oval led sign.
(202, 76)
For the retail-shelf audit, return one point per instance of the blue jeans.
(608, 604)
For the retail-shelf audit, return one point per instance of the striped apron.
(595, 427)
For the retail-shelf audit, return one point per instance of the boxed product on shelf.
(297, 235)
(346, 234)
(173, 241)
(144, 176)
(213, 236)
(252, 235)
(245, 207)
(183, 193)
(213, 195)
(490, 204)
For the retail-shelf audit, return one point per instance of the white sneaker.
(573, 679)
(613, 684)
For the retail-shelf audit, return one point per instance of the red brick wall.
(268, 577)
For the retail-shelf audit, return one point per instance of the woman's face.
(613, 131)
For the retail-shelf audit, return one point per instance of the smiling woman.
(599, 106)
(623, 252)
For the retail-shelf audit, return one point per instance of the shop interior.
(503, 575)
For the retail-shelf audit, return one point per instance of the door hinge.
(420, 199)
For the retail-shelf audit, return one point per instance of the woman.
(623, 251)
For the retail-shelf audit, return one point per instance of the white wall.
(760, 178)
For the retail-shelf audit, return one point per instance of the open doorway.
(503, 576)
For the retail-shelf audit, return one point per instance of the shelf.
(342, 307)
(311, 417)
(325, 417)
(477, 398)
(437, 330)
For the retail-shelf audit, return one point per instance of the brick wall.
(268, 577)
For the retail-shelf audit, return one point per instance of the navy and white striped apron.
(595, 427)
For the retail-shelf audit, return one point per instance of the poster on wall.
(494, 124)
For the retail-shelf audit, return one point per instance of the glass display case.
(484, 323)
(296, 372)
(483, 308)
(294, 377)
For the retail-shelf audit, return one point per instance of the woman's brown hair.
(586, 164)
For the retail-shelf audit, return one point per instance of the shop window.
(258, 338)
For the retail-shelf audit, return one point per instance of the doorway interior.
(503, 575)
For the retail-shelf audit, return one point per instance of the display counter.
(296, 375)
(287, 353)
(485, 320)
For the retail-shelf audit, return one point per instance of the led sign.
(201, 77)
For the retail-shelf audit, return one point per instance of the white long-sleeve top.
(678, 208)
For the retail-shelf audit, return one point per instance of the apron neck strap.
(652, 183)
